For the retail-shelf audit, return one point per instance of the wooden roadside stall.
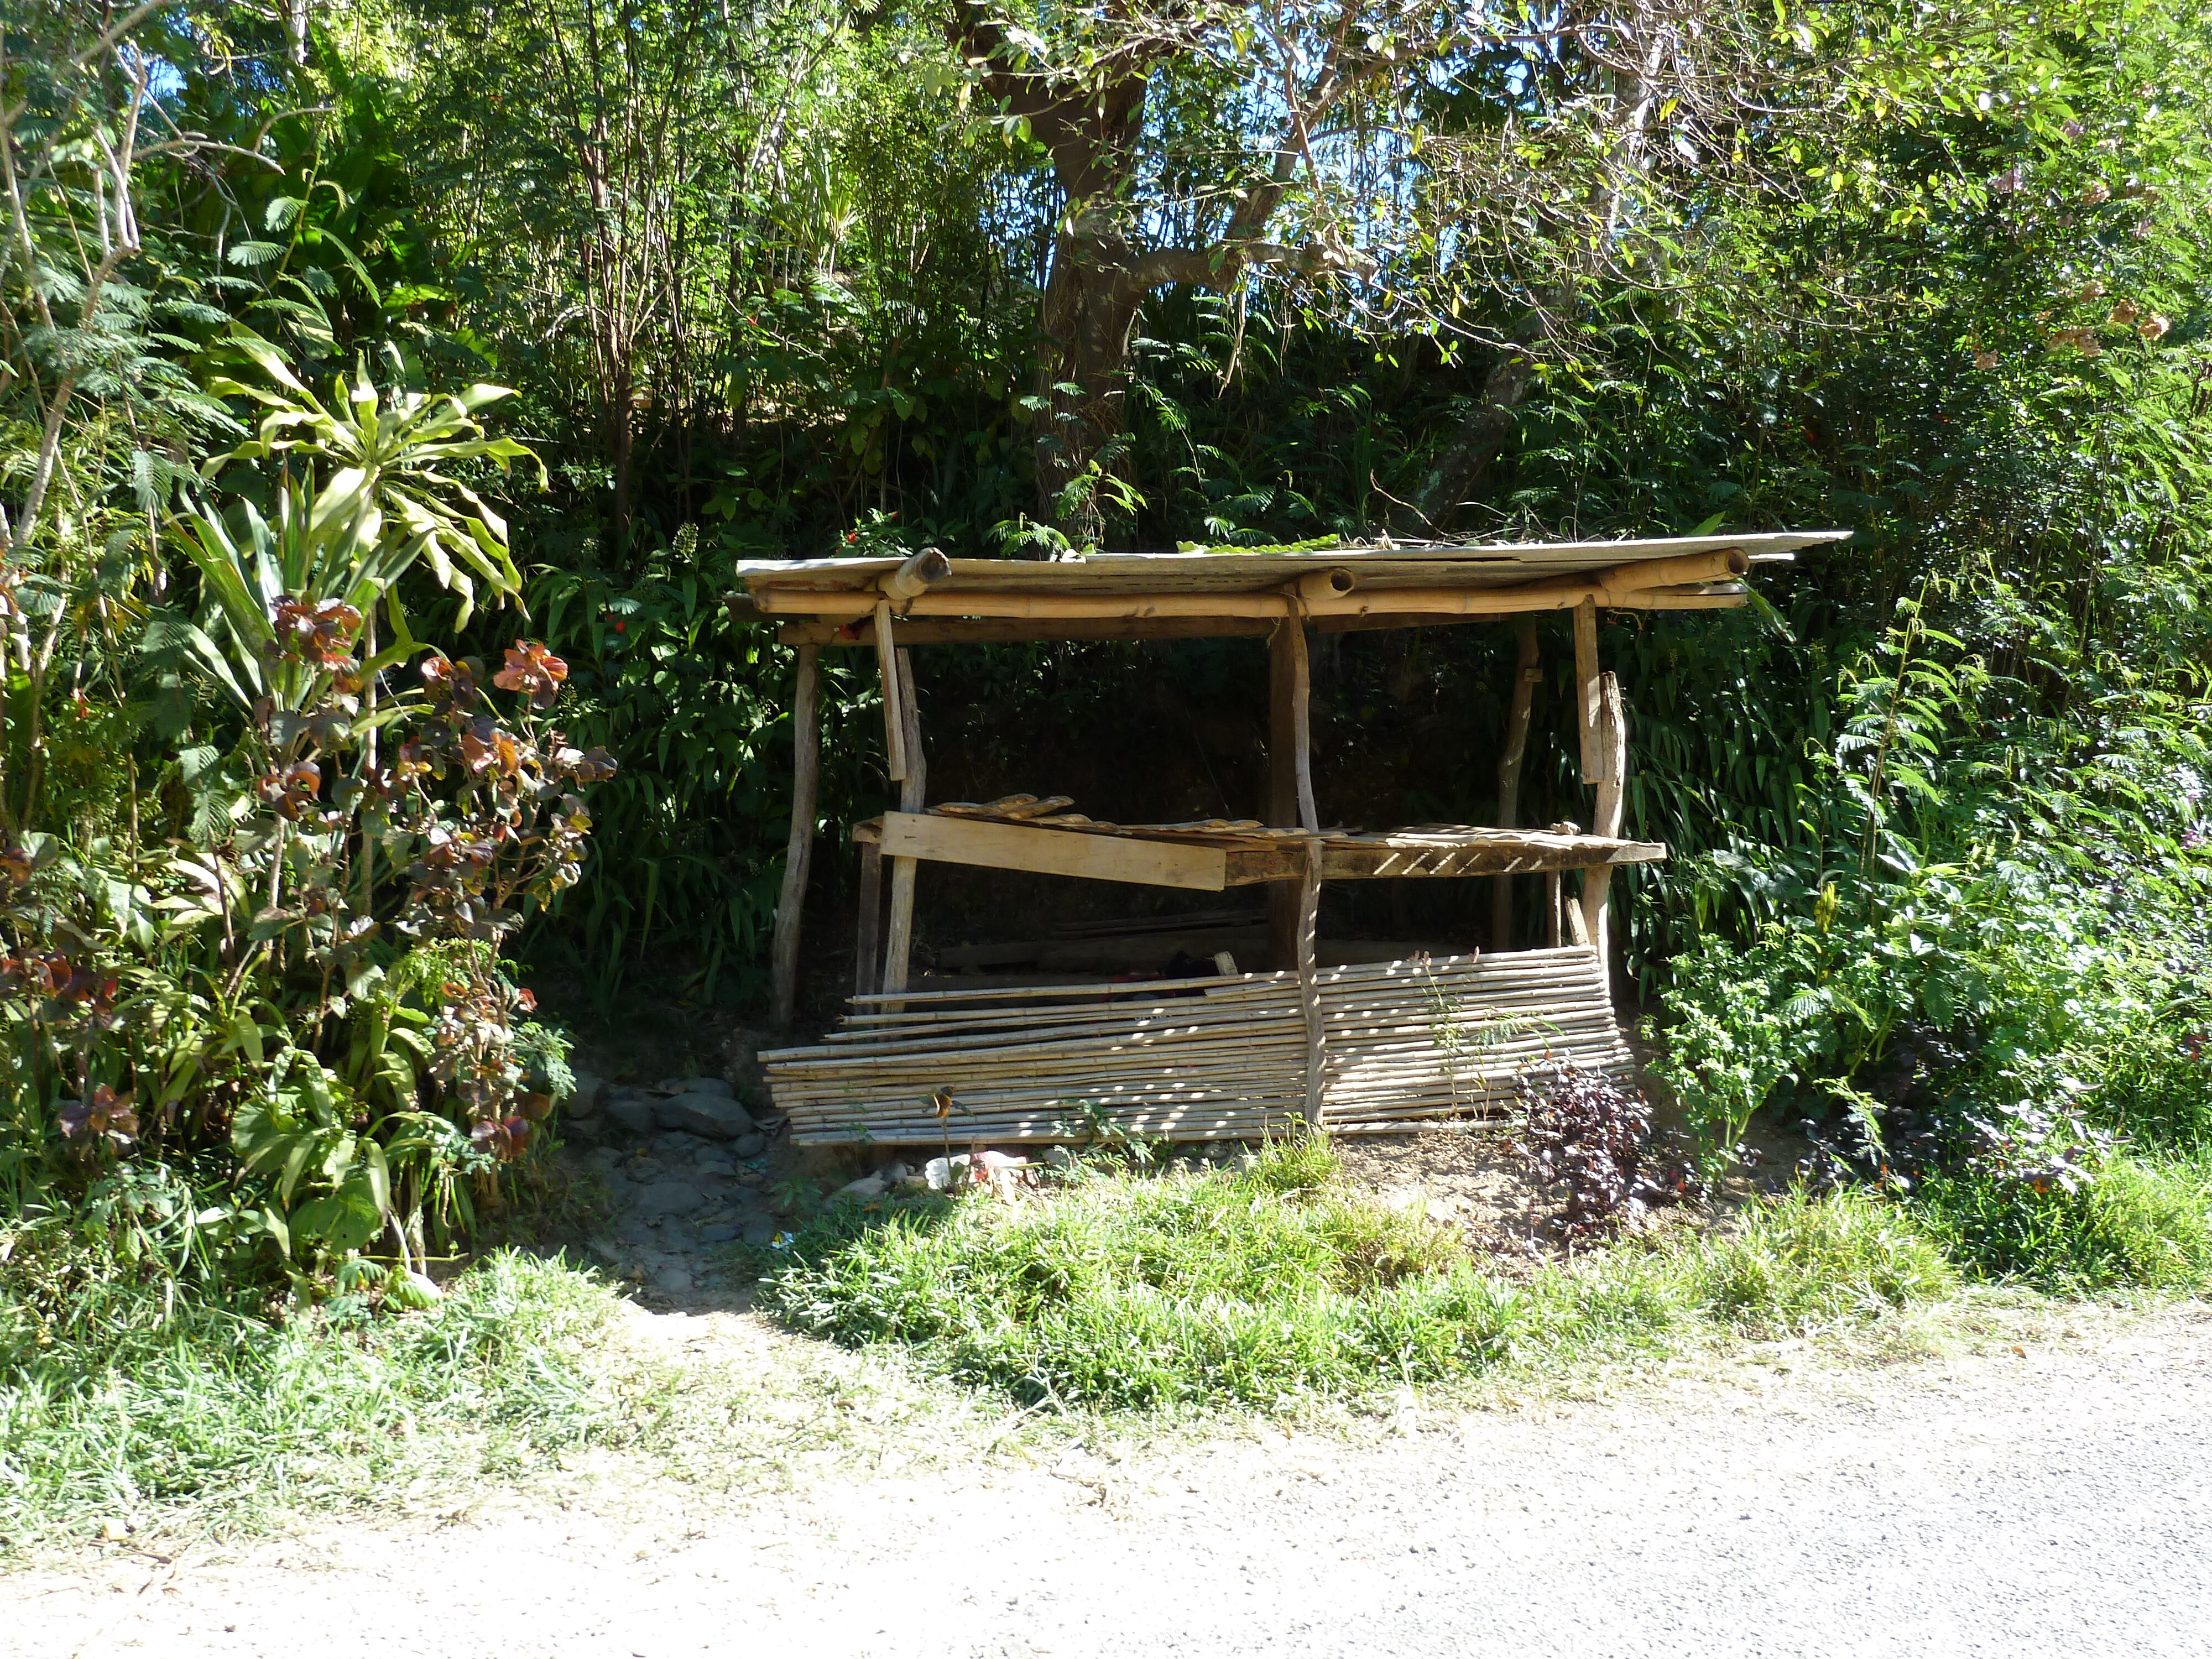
(1355, 1046)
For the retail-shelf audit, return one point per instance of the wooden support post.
(898, 942)
(868, 952)
(1612, 778)
(798, 851)
(1552, 910)
(1587, 691)
(1527, 673)
(887, 671)
(1290, 773)
(1310, 983)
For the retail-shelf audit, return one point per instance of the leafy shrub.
(290, 951)
(1588, 1131)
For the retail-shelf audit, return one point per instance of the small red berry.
(622, 628)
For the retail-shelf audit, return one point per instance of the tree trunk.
(1091, 299)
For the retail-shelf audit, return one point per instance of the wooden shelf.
(1211, 855)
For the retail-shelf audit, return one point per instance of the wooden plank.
(898, 939)
(799, 849)
(1526, 675)
(1054, 852)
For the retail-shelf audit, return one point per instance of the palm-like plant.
(389, 501)
(319, 570)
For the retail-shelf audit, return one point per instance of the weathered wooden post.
(1526, 675)
(1604, 726)
(898, 945)
(1290, 773)
(1613, 748)
(868, 949)
(798, 851)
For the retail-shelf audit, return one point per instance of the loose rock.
(715, 1116)
(628, 1109)
(668, 1197)
(696, 1085)
(590, 1090)
(866, 1186)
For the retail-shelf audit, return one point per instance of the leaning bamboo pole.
(805, 769)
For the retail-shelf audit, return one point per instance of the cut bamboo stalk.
(798, 850)
(898, 941)
(1527, 673)
(912, 578)
(1324, 585)
(887, 672)
(1682, 571)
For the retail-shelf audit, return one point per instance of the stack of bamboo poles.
(1414, 1041)
(1405, 1042)
(1190, 1060)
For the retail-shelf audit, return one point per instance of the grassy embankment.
(126, 1397)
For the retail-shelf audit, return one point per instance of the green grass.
(1257, 1288)
(2142, 1223)
(126, 1398)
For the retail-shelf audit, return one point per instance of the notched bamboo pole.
(1612, 746)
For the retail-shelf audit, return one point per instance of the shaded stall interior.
(1005, 1047)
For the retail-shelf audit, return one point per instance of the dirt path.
(2057, 1501)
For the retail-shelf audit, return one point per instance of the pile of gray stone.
(686, 1167)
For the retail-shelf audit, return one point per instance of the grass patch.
(139, 1401)
(1259, 1287)
(2138, 1223)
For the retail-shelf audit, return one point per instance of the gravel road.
(2057, 1501)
